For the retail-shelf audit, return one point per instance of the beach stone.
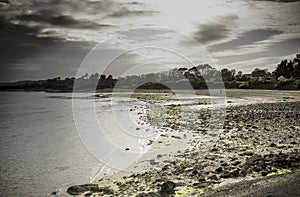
(167, 187)
(150, 194)
(272, 145)
(234, 173)
(80, 189)
(225, 175)
(248, 153)
(188, 169)
(219, 170)
(106, 190)
(264, 173)
(159, 156)
(235, 163)
(213, 177)
(201, 178)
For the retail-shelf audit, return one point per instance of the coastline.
(254, 133)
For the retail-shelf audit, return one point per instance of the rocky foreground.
(258, 140)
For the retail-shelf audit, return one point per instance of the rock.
(188, 169)
(213, 177)
(219, 170)
(176, 137)
(225, 175)
(264, 173)
(91, 188)
(80, 189)
(201, 178)
(106, 190)
(247, 153)
(127, 149)
(234, 173)
(159, 156)
(252, 160)
(153, 162)
(164, 168)
(167, 188)
(243, 173)
(236, 163)
(272, 145)
(150, 194)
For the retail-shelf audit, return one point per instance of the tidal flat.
(257, 136)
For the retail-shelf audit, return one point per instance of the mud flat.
(258, 145)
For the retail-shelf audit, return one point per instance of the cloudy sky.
(48, 38)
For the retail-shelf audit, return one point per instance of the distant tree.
(182, 69)
(239, 74)
(109, 77)
(102, 77)
(227, 75)
(289, 69)
(259, 72)
(296, 64)
(281, 69)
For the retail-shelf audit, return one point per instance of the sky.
(49, 38)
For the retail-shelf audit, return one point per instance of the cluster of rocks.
(257, 140)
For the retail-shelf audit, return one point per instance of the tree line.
(285, 76)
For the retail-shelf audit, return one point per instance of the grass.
(184, 192)
(279, 171)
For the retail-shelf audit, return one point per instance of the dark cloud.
(279, 49)
(145, 34)
(4, 1)
(22, 43)
(33, 43)
(246, 38)
(283, 1)
(62, 21)
(74, 6)
(125, 12)
(215, 31)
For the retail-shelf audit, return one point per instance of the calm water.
(40, 149)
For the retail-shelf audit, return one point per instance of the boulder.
(167, 188)
(80, 189)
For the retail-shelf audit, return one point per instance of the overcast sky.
(48, 38)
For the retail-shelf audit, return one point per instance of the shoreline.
(188, 165)
(110, 90)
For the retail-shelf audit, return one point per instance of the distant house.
(281, 78)
(263, 78)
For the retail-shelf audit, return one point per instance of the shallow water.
(40, 149)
